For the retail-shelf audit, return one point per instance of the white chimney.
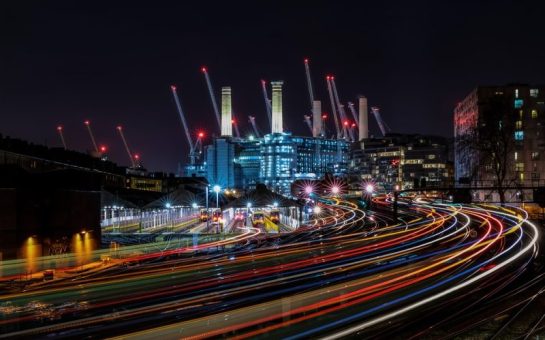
(226, 112)
(277, 106)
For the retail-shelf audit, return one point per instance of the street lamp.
(216, 188)
(369, 188)
(194, 205)
(335, 190)
(308, 190)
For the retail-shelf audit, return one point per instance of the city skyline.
(64, 64)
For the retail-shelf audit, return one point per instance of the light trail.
(346, 271)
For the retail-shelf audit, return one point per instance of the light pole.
(217, 190)
(207, 209)
(248, 206)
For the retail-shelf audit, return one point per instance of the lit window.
(516, 155)
(431, 156)
(518, 103)
(535, 155)
(516, 93)
(534, 114)
(519, 167)
(534, 92)
(518, 124)
(519, 135)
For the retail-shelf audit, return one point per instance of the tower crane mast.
(61, 135)
(333, 106)
(342, 112)
(352, 109)
(122, 135)
(235, 125)
(309, 84)
(93, 141)
(268, 105)
(254, 126)
(212, 96)
(193, 152)
(381, 124)
(309, 123)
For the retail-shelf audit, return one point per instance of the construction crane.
(333, 106)
(235, 125)
(61, 134)
(349, 130)
(381, 124)
(194, 148)
(132, 159)
(93, 141)
(342, 112)
(309, 122)
(212, 96)
(309, 84)
(352, 109)
(254, 126)
(267, 101)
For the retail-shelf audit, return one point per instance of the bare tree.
(491, 143)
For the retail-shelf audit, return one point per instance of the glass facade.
(220, 167)
(276, 160)
(287, 158)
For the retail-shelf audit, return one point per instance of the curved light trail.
(345, 272)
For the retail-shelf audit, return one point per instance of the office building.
(402, 162)
(521, 112)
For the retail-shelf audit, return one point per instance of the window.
(519, 135)
(519, 167)
(516, 155)
(534, 93)
(518, 124)
(534, 114)
(535, 155)
(431, 156)
(518, 103)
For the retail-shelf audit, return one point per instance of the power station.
(278, 158)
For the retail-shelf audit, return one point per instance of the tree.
(491, 142)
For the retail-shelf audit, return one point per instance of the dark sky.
(62, 62)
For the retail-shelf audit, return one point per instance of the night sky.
(62, 62)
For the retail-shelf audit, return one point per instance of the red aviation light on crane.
(173, 87)
(264, 82)
(59, 128)
(353, 124)
(324, 116)
(233, 121)
(103, 148)
(204, 69)
(119, 127)
(87, 122)
(346, 123)
(306, 60)
(200, 134)
(328, 77)
(137, 156)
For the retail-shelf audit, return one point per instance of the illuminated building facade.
(403, 162)
(275, 160)
(248, 163)
(525, 106)
(220, 165)
(286, 158)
